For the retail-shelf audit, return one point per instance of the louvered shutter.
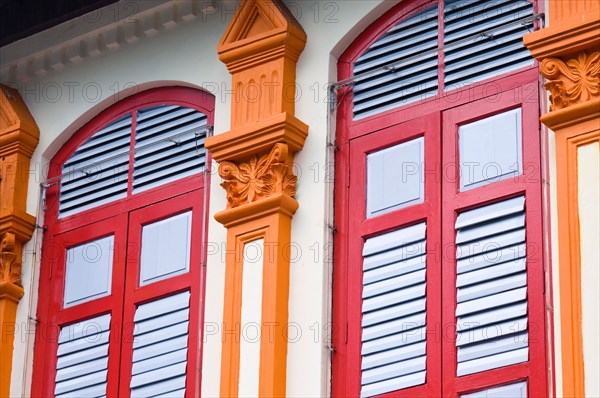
(499, 47)
(81, 368)
(491, 286)
(393, 321)
(97, 172)
(160, 347)
(411, 45)
(169, 144)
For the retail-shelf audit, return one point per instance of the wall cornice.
(91, 35)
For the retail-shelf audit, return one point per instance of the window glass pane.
(490, 149)
(165, 248)
(88, 271)
(517, 390)
(395, 177)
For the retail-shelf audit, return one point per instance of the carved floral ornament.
(258, 178)
(10, 270)
(572, 81)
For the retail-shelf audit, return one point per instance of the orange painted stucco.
(260, 48)
(569, 52)
(19, 136)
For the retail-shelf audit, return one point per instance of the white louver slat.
(81, 368)
(158, 163)
(160, 347)
(494, 53)
(97, 171)
(415, 79)
(393, 322)
(491, 287)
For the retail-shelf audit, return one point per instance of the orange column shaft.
(10, 294)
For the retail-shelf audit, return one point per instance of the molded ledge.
(249, 140)
(11, 292)
(573, 115)
(574, 35)
(276, 204)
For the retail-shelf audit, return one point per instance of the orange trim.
(567, 143)
(19, 136)
(568, 52)
(260, 48)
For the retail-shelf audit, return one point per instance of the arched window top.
(141, 143)
(435, 46)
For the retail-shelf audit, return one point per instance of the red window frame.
(123, 218)
(355, 138)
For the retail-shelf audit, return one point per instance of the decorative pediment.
(258, 29)
(17, 127)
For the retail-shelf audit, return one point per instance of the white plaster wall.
(588, 164)
(186, 55)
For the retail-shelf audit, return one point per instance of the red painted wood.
(355, 138)
(118, 218)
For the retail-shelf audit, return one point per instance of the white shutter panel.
(411, 44)
(516, 390)
(491, 287)
(495, 52)
(181, 152)
(393, 322)
(97, 172)
(81, 368)
(160, 347)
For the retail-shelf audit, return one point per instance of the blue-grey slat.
(503, 344)
(399, 295)
(409, 322)
(82, 358)
(394, 269)
(98, 390)
(493, 361)
(399, 339)
(390, 240)
(147, 113)
(160, 346)
(171, 159)
(160, 361)
(490, 287)
(492, 272)
(394, 283)
(516, 390)
(482, 40)
(393, 370)
(393, 312)
(171, 394)
(390, 356)
(157, 389)
(394, 305)
(491, 290)
(414, 78)
(105, 176)
(500, 255)
(393, 384)
(492, 316)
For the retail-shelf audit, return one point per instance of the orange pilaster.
(569, 52)
(260, 48)
(19, 136)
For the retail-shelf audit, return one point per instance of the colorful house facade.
(300, 198)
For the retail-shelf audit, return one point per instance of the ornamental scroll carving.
(259, 177)
(10, 261)
(573, 80)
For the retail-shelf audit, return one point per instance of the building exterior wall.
(66, 92)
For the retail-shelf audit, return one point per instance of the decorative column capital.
(572, 80)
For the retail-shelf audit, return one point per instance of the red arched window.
(121, 282)
(439, 266)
